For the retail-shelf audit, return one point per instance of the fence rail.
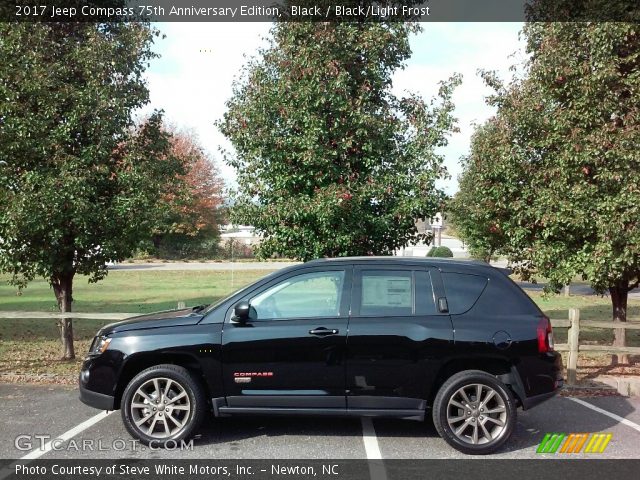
(94, 316)
(573, 346)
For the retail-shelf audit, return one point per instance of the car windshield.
(240, 290)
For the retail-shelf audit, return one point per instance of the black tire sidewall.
(191, 387)
(440, 411)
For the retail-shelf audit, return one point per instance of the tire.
(486, 425)
(158, 419)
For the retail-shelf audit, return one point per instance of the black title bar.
(319, 10)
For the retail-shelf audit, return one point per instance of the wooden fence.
(54, 315)
(572, 346)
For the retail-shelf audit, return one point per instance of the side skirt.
(223, 411)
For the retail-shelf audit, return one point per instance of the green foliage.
(177, 246)
(568, 162)
(475, 215)
(440, 252)
(80, 182)
(329, 161)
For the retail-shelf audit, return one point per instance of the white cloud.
(193, 78)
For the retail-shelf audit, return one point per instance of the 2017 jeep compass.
(376, 336)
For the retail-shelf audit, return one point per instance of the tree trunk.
(157, 241)
(619, 295)
(63, 288)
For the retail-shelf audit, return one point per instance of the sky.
(192, 79)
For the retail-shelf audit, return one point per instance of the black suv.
(391, 336)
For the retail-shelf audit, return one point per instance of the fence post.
(573, 340)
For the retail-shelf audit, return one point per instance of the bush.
(234, 249)
(440, 252)
(174, 246)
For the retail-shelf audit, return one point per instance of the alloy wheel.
(476, 414)
(160, 408)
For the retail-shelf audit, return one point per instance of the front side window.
(386, 292)
(310, 295)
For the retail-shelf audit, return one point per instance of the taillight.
(545, 335)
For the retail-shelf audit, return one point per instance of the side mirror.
(241, 312)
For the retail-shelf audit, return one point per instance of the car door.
(398, 337)
(290, 353)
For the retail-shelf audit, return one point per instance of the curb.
(627, 386)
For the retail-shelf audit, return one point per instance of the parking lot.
(37, 414)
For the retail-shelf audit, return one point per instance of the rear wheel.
(474, 412)
(162, 405)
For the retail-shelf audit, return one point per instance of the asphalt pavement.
(33, 417)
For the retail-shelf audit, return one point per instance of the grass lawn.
(31, 346)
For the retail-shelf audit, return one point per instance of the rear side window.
(386, 292)
(462, 290)
(396, 293)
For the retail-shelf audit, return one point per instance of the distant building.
(246, 235)
(242, 233)
(435, 226)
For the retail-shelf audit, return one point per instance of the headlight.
(99, 345)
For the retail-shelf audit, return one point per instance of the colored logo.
(574, 443)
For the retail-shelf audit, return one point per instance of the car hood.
(169, 318)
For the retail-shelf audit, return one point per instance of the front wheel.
(163, 405)
(474, 412)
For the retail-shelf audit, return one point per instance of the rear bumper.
(530, 402)
(548, 382)
(95, 399)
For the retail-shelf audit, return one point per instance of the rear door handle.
(323, 332)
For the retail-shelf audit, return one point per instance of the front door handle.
(323, 332)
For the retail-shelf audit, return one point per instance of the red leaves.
(344, 195)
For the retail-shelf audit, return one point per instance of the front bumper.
(90, 397)
(95, 399)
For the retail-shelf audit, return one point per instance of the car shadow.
(558, 415)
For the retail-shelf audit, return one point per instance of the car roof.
(426, 261)
(374, 259)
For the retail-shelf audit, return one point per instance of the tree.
(80, 184)
(188, 225)
(566, 168)
(474, 215)
(329, 161)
